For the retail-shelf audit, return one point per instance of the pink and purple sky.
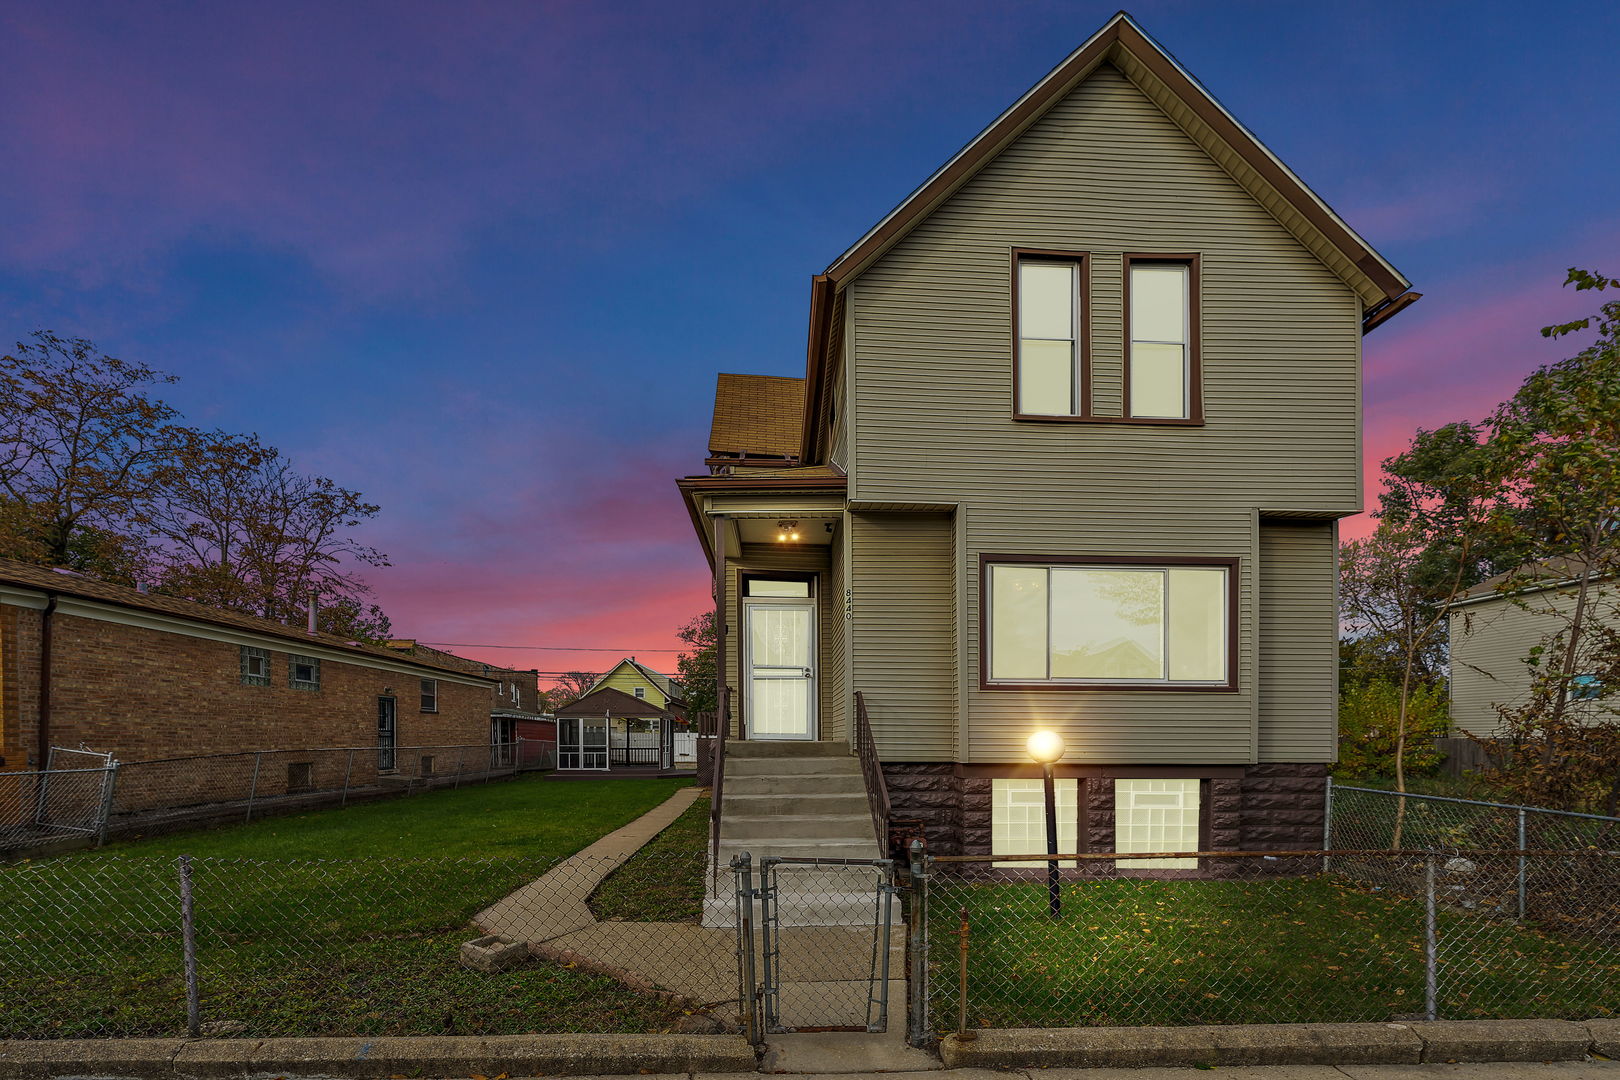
(482, 260)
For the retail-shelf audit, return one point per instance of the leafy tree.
(354, 620)
(1431, 544)
(1371, 723)
(83, 446)
(697, 669)
(1559, 437)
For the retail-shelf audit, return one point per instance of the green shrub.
(1369, 721)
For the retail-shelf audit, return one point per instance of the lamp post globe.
(1045, 746)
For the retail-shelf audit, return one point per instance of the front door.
(780, 664)
(387, 731)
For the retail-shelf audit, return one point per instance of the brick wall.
(144, 693)
(1270, 807)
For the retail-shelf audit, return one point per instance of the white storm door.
(781, 676)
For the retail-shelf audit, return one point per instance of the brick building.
(146, 677)
(515, 706)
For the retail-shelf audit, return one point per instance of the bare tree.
(242, 529)
(569, 687)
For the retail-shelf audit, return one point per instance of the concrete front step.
(837, 827)
(744, 748)
(843, 783)
(844, 803)
(798, 766)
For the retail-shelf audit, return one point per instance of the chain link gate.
(824, 944)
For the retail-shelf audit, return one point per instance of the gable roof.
(668, 686)
(757, 415)
(1123, 44)
(606, 701)
(1542, 575)
(66, 583)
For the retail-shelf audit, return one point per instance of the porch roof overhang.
(812, 493)
(606, 701)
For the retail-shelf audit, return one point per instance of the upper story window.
(255, 666)
(1123, 623)
(303, 673)
(1162, 363)
(1050, 317)
(430, 695)
(641, 691)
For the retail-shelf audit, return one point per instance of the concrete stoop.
(796, 800)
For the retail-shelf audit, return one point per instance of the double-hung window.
(1093, 622)
(430, 695)
(1161, 365)
(1050, 318)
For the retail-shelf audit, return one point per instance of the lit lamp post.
(1046, 747)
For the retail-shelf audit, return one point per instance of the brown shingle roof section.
(757, 414)
(29, 576)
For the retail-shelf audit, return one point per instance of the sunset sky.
(482, 260)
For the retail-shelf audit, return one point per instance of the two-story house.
(1079, 419)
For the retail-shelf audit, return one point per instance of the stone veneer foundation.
(1271, 807)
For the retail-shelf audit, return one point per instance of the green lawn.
(332, 922)
(663, 882)
(528, 817)
(1218, 952)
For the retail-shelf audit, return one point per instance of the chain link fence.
(1236, 938)
(39, 809)
(1361, 817)
(98, 946)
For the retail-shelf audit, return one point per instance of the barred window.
(303, 673)
(255, 666)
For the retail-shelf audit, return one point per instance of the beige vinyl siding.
(1490, 641)
(763, 558)
(1299, 644)
(1106, 172)
(902, 632)
(834, 652)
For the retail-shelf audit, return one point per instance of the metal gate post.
(188, 945)
(769, 988)
(461, 758)
(109, 781)
(917, 1018)
(1327, 822)
(747, 990)
(258, 759)
(1431, 959)
(882, 939)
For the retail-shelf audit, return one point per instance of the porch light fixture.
(787, 530)
(1046, 747)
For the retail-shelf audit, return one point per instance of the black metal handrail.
(717, 772)
(877, 792)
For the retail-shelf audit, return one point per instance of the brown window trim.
(1233, 595)
(1195, 356)
(1082, 261)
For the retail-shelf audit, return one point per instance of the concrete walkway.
(555, 903)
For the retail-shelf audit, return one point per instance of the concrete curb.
(1282, 1044)
(374, 1059)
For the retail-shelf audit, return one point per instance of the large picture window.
(1162, 365)
(1050, 339)
(1123, 623)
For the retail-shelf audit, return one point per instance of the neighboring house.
(642, 682)
(1079, 419)
(608, 729)
(515, 706)
(1496, 624)
(144, 677)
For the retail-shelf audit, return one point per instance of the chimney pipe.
(312, 607)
